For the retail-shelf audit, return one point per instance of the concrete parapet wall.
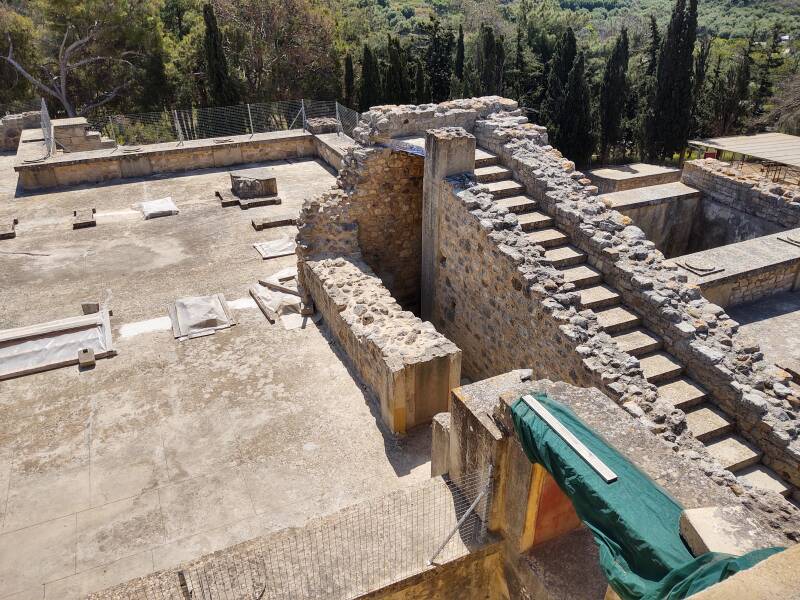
(405, 362)
(11, 127)
(627, 177)
(105, 165)
(744, 206)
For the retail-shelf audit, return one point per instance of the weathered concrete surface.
(170, 450)
(625, 177)
(664, 212)
(11, 127)
(775, 322)
(745, 271)
(726, 529)
(775, 577)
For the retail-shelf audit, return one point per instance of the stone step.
(638, 342)
(518, 204)
(765, 478)
(617, 319)
(598, 296)
(564, 256)
(504, 189)
(492, 173)
(734, 453)
(660, 366)
(534, 220)
(484, 158)
(549, 237)
(682, 393)
(707, 422)
(582, 275)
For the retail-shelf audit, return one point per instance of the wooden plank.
(578, 446)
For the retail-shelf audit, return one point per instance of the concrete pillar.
(448, 151)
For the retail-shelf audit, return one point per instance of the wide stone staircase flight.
(707, 422)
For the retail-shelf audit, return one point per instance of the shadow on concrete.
(404, 452)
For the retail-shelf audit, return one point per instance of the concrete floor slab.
(205, 502)
(86, 582)
(182, 420)
(43, 552)
(119, 529)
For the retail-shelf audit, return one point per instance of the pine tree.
(459, 66)
(222, 89)
(349, 82)
(613, 96)
(439, 60)
(560, 66)
(576, 141)
(667, 128)
(734, 103)
(370, 88)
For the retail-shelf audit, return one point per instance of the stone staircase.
(705, 420)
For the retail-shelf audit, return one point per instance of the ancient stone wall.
(696, 331)
(737, 207)
(406, 363)
(11, 127)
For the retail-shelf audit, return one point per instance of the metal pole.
(111, 132)
(177, 127)
(464, 517)
(338, 120)
(303, 112)
(250, 116)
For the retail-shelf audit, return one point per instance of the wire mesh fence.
(361, 548)
(221, 122)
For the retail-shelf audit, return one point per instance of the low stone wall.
(405, 362)
(736, 207)
(105, 165)
(412, 120)
(11, 127)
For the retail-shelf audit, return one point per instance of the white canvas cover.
(163, 207)
(281, 247)
(200, 315)
(25, 350)
(278, 304)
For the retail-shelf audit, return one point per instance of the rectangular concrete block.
(440, 444)
(727, 529)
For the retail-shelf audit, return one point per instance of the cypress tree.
(613, 96)
(560, 66)
(772, 61)
(653, 47)
(668, 123)
(439, 60)
(370, 89)
(459, 66)
(420, 87)
(349, 82)
(397, 85)
(222, 89)
(576, 141)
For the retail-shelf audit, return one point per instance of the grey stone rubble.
(698, 332)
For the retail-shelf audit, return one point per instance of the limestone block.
(727, 529)
(253, 184)
(440, 444)
(322, 125)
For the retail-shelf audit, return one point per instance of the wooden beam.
(579, 447)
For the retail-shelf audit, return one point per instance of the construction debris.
(278, 296)
(199, 316)
(164, 207)
(269, 222)
(272, 249)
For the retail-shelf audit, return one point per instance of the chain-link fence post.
(177, 127)
(338, 120)
(250, 117)
(303, 112)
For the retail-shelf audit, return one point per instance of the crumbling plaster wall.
(736, 207)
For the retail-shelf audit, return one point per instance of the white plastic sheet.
(281, 247)
(55, 344)
(163, 207)
(200, 315)
(282, 305)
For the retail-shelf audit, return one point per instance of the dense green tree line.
(638, 94)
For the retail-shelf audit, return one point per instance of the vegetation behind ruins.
(634, 82)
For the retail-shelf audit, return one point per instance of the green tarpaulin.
(634, 522)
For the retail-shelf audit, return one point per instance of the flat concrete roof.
(775, 323)
(170, 450)
(621, 172)
(648, 195)
(776, 147)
